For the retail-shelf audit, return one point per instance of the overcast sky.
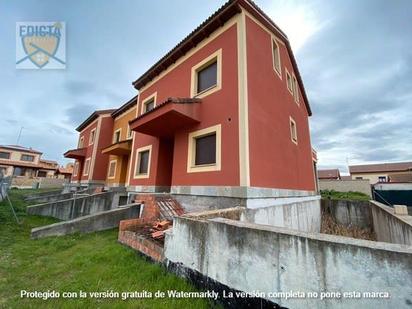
(355, 58)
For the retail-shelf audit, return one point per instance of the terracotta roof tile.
(384, 167)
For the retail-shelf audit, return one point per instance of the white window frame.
(279, 69)
(86, 171)
(191, 158)
(80, 144)
(120, 135)
(289, 78)
(216, 56)
(295, 87)
(114, 169)
(137, 162)
(76, 168)
(91, 140)
(129, 132)
(153, 97)
(293, 130)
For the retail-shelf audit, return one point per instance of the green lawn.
(90, 262)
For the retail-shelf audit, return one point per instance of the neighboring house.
(224, 113)
(380, 172)
(21, 161)
(121, 144)
(329, 174)
(90, 166)
(65, 172)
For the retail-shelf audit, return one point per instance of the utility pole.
(19, 136)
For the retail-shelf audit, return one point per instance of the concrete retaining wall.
(87, 224)
(349, 213)
(346, 185)
(76, 207)
(302, 215)
(250, 257)
(390, 227)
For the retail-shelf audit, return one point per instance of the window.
(289, 82)
(129, 132)
(276, 57)
(112, 169)
(19, 171)
(382, 178)
(293, 131)
(42, 174)
(206, 75)
(142, 168)
(86, 167)
(3, 171)
(76, 168)
(28, 158)
(4, 155)
(116, 136)
(295, 89)
(358, 178)
(81, 142)
(149, 103)
(204, 150)
(92, 136)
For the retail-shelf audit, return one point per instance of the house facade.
(120, 149)
(95, 134)
(329, 174)
(385, 172)
(18, 161)
(224, 114)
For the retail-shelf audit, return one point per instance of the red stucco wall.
(217, 108)
(275, 161)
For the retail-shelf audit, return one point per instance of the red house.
(224, 116)
(90, 166)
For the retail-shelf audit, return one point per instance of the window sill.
(141, 176)
(204, 168)
(207, 91)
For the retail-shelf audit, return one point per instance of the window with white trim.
(28, 158)
(289, 82)
(293, 131)
(92, 136)
(295, 88)
(206, 75)
(204, 150)
(76, 168)
(112, 169)
(81, 142)
(117, 136)
(276, 57)
(86, 167)
(142, 167)
(129, 132)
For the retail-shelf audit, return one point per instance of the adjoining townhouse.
(329, 174)
(224, 115)
(19, 161)
(90, 164)
(121, 144)
(385, 172)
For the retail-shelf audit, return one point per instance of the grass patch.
(87, 262)
(335, 195)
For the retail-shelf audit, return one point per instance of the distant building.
(329, 174)
(21, 161)
(385, 172)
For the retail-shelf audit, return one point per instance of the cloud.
(357, 71)
(76, 114)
